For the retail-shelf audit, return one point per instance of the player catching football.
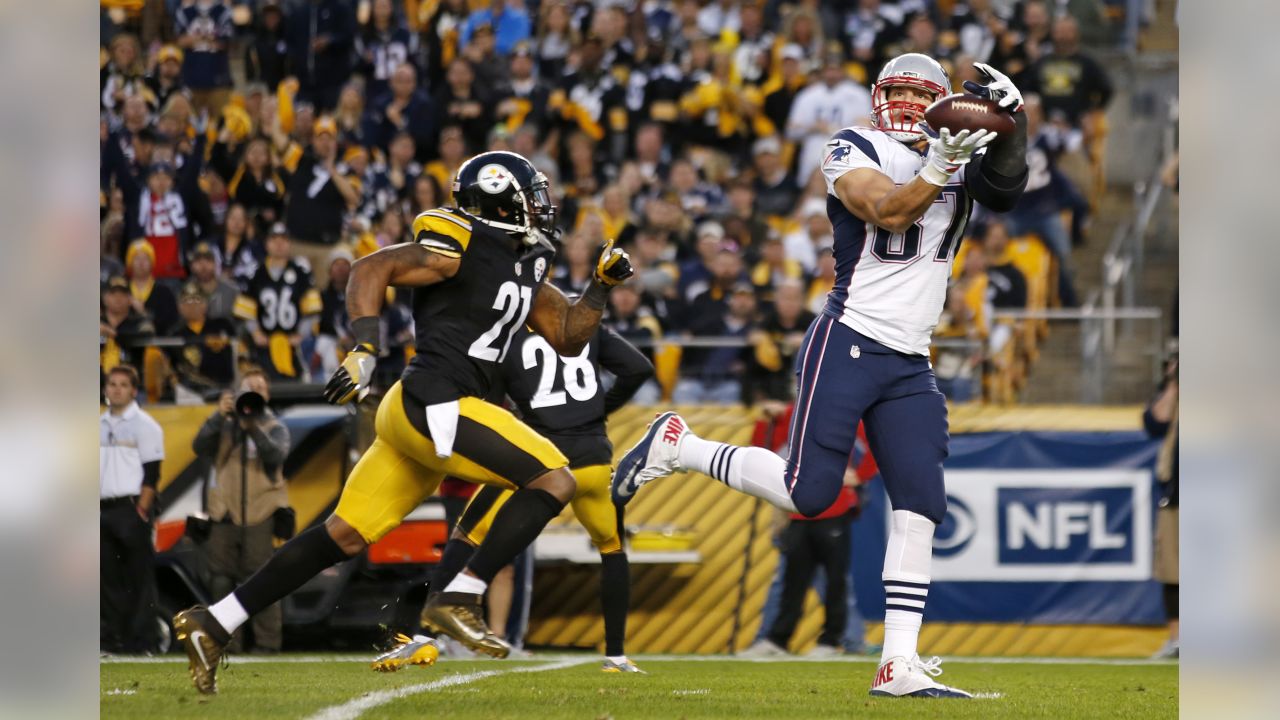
(899, 196)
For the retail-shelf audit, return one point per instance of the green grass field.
(563, 686)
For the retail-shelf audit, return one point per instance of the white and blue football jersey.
(891, 287)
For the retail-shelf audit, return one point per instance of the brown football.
(968, 112)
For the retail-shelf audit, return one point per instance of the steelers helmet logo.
(493, 179)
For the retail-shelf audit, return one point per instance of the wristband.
(596, 295)
(366, 331)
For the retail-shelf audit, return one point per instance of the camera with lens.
(250, 405)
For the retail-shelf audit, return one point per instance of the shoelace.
(932, 666)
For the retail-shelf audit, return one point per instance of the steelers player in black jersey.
(479, 274)
(564, 399)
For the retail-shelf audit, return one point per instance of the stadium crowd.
(252, 150)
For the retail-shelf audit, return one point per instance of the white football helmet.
(912, 69)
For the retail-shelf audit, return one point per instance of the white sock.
(616, 659)
(752, 470)
(229, 613)
(906, 582)
(465, 583)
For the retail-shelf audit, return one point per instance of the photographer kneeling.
(247, 502)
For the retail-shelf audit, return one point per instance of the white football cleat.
(655, 456)
(626, 666)
(913, 677)
(764, 647)
(416, 650)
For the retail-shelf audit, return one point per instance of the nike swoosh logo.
(196, 636)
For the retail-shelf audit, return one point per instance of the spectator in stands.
(921, 36)
(255, 183)
(774, 268)
(1020, 49)
(320, 37)
(743, 221)
(266, 55)
(651, 156)
(123, 330)
(204, 31)
(870, 28)
(1048, 193)
(166, 80)
(592, 101)
(151, 298)
(394, 179)
(957, 365)
(349, 116)
(780, 91)
(823, 108)
(979, 26)
(219, 294)
(248, 501)
(334, 329)
(1161, 421)
(714, 374)
(465, 104)
(241, 253)
(507, 19)
(154, 209)
(319, 197)
(636, 323)
(383, 45)
(556, 38)
(1006, 285)
(452, 151)
(404, 108)
(785, 324)
(698, 198)
(696, 274)
(278, 307)
(576, 264)
(1071, 84)
(122, 77)
(109, 257)
(131, 448)
(206, 361)
(813, 234)
(525, 95)
(775, 188)
(824, 277)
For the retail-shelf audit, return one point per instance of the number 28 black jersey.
(564, 398)
(464, 324)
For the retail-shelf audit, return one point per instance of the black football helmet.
(505, 191)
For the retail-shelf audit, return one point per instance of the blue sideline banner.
(1040, 528)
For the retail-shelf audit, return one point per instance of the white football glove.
(947, 153)
(998, 88)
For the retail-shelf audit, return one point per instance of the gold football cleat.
(204, 640)
(460, 616)
(416, 650)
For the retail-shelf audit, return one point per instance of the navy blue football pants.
(845, 377)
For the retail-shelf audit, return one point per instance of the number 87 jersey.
(891, 287)
(464, 325)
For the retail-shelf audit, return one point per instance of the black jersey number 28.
(514, 301)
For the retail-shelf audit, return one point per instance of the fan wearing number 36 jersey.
(479, 274)
(898, 196)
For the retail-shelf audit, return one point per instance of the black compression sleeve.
(151, 474)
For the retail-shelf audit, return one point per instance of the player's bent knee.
(346, 536)
(813, 501)
(558, 483)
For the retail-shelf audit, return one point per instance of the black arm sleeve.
(628, 364)
(997, 178)
(208, 436)
(151, 474)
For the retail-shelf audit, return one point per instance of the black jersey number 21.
(514, 301)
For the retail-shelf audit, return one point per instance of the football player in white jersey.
(898, 196)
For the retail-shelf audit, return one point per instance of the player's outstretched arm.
(407, 265)
(568, 327)
(872, 196)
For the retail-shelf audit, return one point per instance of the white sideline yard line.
(354, 708)
(581, 657)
